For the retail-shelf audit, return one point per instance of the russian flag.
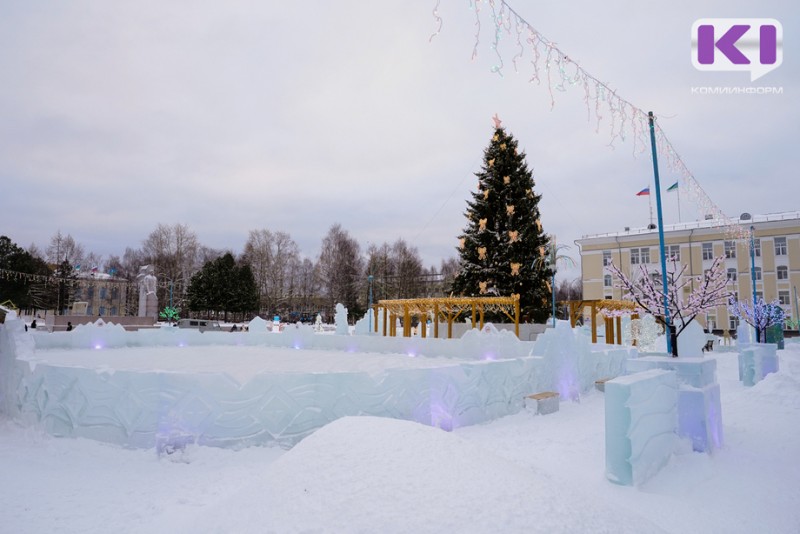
(643, 192)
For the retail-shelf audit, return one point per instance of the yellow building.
(696, 244)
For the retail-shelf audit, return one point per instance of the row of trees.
(285, 282)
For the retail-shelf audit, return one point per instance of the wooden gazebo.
(448, 309)
(613, 325)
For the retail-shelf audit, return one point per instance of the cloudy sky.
(240, 115)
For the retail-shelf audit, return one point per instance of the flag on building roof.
(645, 191)
(673, 187)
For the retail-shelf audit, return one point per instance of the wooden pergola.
(613, 324)
(446, 308)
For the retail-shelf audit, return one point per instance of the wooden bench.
(542, 403)
(600, 385)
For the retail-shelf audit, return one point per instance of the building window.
(730, 249)
(640, 255)
(733, 323)
(90, 293)
(102, 293)
(634, 256)
(757, 247)
(102, 310)
(783, 298)
(674, 252)
(759, 295)
(783, 272)
(708, 251)
(606, 258)
(758, 273)
(607, 281)
(780, 246)
(731, 275)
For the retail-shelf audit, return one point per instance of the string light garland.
(559, 72)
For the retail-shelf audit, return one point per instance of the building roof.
(710, 223)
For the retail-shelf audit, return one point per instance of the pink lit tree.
(645, 289)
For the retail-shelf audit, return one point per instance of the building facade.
(776, 254)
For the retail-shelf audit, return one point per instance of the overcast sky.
(240, 115)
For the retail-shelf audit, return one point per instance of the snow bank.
(398, 475)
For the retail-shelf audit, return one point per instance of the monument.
(148, 301)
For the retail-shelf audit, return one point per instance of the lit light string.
(561, 72)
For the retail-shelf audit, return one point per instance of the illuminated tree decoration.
(502, 232)
(644, 288)
(170, 314)
(759, 315)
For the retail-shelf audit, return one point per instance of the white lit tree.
(759, 315)
(646, 289)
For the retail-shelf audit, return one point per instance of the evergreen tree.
(504, 236)
(223, 286)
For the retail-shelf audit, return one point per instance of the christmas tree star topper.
(497, 121)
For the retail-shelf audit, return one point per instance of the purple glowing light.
(98, 346)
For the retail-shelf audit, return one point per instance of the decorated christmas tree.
(503, 237)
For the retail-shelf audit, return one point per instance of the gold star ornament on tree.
(482, 224)
(513, 235)
(515, 269)
(482, 286)
(510, 210)
(481, 253)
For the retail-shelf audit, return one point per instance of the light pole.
(753, 274)
(661, 247)
(553, 279)
(370, 278)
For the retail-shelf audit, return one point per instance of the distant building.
(696, 244)
(103, 294)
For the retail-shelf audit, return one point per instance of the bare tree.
(274, 258)
(63, 247)
(339, 269)
(173, 250)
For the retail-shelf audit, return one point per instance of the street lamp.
(753, 274)
(370, 278)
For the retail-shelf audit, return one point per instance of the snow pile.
(369, 474)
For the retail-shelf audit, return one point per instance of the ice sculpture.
(342, 328)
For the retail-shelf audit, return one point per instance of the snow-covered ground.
(522, 473)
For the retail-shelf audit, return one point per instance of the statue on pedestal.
(148, 301)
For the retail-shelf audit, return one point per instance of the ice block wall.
(641, 420)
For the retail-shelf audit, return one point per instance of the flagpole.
(650, 199)
(679, 203)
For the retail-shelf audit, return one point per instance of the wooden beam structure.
(447, 309)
